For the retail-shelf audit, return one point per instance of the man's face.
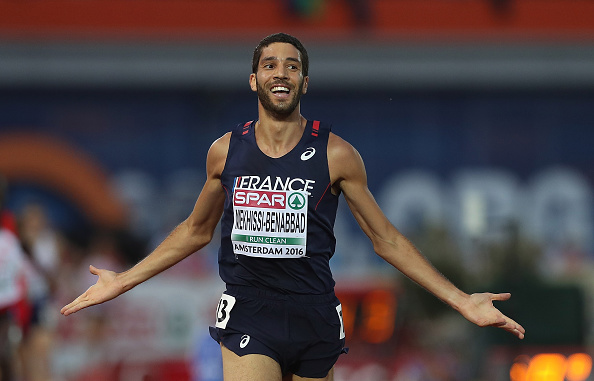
(279, 81)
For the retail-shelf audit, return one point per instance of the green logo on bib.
(296, 201)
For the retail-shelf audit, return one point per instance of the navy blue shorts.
(303, 333)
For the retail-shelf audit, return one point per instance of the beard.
(282, 109)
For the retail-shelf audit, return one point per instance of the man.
(276, 183)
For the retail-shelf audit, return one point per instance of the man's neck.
(276, 137)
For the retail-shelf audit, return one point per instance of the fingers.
(488, 315)
(501, 297)
(67, 310)
(519, 333)
(511, 326)
(82, 301)
(515, 329)
(73, 307)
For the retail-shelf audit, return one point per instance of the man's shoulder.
(221, 145)
(223, 140)
(217, 154)
(344, 161)
(338, 147)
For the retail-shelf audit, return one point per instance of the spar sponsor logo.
(260, 199)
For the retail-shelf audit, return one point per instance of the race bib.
(269, 224)
(224, 308)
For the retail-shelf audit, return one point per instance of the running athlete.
(275, 182)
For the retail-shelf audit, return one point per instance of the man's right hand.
(107, 287)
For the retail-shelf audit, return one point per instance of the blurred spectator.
(12, 292)
(7, 220)
(42, 244)
(39, 238)
(103, 252)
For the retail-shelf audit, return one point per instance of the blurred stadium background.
(475, 119)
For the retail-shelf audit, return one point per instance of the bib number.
(224, 308)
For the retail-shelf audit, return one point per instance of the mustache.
(282, 83)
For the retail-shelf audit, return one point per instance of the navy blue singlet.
(277, 230)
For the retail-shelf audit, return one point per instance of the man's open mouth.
(280, 90)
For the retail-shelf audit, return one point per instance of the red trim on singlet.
(323, 194)
(226, 190)
(246, 127)
(315, 128)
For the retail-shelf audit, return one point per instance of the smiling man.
(275, 184)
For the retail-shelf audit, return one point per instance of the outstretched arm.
(348, 175)
(188, 237)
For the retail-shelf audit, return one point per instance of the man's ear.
(305, 83)
(253, 83)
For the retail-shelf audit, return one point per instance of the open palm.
(106, 288)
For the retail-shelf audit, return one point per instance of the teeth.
(280, 88)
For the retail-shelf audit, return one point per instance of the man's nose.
(281, 72)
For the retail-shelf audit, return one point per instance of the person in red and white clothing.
(13, 288)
